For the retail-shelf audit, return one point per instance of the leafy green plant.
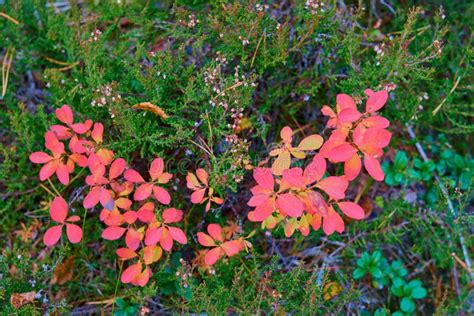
(392, 275)
(396, 173)
(408, 293)
(124, 308)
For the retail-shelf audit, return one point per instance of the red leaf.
(178, 235)
(290, 205)
(172, 215)
(92, 198)
(40, 157)
(333, 222)
(143, 191)
(351, 210)
(376, 101)
(74, 233)
(48, 169)
(133, 238)
(64, 114)
(352, 167)
(62, 173)
(131, 273)
(335, 187)
(213, 255)
(262, 211)
(58, 209)
(232, 247)
(215, 231)
(372, 165)
(203, 176)
(116, 168)
(113, 232)
(161, 195)
(52, 235)
(342, 152)
(198, 196)
(125, 253)
(156, 168)
(205, 240)
(345, 101)
(264, 178)
(349, 115)
(133, 176)
(153, 235)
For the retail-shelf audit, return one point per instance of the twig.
(446, 195)
(6, 16)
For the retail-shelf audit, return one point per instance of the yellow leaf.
(150, 107)
(282, 162)
(312, 142)
(330, 290)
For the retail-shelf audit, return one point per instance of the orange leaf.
(150, 107)
(63, 272)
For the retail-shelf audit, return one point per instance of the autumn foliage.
(137, 208)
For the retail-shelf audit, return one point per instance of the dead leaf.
(150, 107)
(330, 290)
(17, 300)
(63, 272)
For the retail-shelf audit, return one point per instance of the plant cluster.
(394, 276)
(147, 229)
(310, 197)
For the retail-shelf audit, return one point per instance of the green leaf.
(375, 272)
(358, 273)
(418, 292)
(407, 305)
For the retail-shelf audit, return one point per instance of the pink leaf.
(116, 168)
(352, 167)
(143, 191)
(315, 170)
(131, 273)
(64, 114)
(92, 198)
(342, 152)
(58, 209)
(178, 235)
(52, 235)
(106, 199)
(213, 255)
(376, 101)
(351, 210)
(161, 195)
(264, 178)
(74, 233)
(333, 222)
(345, 101)
(335, 187)
(166, 241)
(113, 232)
(290, 205)
(205, 240)
(133, 238)
(130, 217)
(203, 176)
(172, 215)
(372, 165)
(97, 132)
(262, 212)
(48, 169)
(133, 176)
(153, 235)
(215, 231)
(156, 168)
(349, 115)
(231, 248)
(62, 173)
(125, 253)
(198, 196)
(40, 157)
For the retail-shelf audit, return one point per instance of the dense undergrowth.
(210, 86)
